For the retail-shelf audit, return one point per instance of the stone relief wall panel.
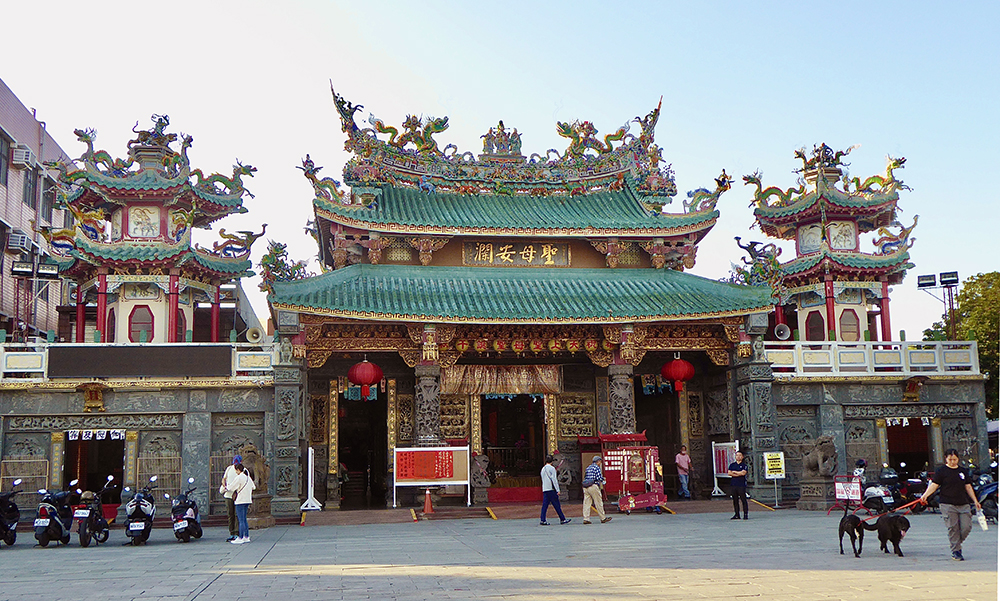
(145, 402)
(718, 411)
(796, 394)
(240, 399)
(960, 434)
(318, 415)
(232, 431)
(286, 402)
(861, 442)
(603, 405)
(159, 444)
(26, 446)
(158, 421)
(41, 403)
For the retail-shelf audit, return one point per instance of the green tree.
(977, 317)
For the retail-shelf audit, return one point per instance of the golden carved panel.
(577, 415)
(454, 416)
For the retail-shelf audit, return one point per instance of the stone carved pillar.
(937, 441)
(755, 420)
(131, 470)
(290, 438)
(197, 447)
(622, 397)
(427, 406)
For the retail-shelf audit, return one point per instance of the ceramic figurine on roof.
(130, 249)
(835, 290)
(413, 190)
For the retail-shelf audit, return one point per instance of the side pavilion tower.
(833, 290)
(145, 275)
(518, 304)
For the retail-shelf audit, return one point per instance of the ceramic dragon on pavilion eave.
(412, 157)
(826, 187)
(163, 198)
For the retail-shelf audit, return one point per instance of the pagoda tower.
(831, 290)
(130, 251)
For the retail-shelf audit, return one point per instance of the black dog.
(851, 526)
(891, 528)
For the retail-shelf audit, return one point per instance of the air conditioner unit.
(21, 156)
(18, 243)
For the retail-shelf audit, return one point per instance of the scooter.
(184, 512)
(986, 492)
(139, 512)
(880, 497)
(53, 519)
(9, 514)
(89, 516)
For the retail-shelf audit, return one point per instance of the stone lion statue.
(821, 460)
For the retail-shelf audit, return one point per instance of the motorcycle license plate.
(81, 513)
(136, 526)
(180, 525)
(41, 522)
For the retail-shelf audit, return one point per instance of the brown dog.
(891, 528)
(851, 526)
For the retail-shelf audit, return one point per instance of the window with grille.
(850, 330)
(48, 199)
(141, 320)
(30, 196)
(4, 160)
(815, 326)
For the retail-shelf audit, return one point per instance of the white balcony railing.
(873, 358)
(30, 361)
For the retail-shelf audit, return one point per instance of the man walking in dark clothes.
(738, 486)
(956, 492)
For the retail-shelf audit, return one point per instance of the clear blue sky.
(743, 86)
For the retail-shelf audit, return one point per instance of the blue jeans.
(683, 492)
(551, 497)
(241, 517)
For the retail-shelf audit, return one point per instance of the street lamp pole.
(949, 281)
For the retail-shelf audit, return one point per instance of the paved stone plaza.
(774, 555)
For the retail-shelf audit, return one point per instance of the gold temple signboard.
(515, 254)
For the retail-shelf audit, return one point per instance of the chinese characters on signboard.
(515, 254)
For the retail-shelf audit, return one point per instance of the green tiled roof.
(234, 266)
(146, 179)
(599, 213)
(506, 295)
(850, 259)
(152, 251)
(832, 196)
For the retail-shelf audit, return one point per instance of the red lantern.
(364, 374)
(678, 371)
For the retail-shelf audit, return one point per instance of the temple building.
(158, 366)
(514, 303)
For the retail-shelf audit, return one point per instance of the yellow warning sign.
(774, 465)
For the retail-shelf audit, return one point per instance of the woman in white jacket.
(242, 485)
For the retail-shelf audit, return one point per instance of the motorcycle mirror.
(110, 478)
(166, 496)
(15, 482)
(191, 480)
(128, 489)
(42, 491)
(73, 482)
(152, 478)
(902, 464)
(79, 492)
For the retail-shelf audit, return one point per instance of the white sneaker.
(246, 540)
(236, 541)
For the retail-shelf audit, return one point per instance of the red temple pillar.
(172, 308)
(884, 318)
(779, 315)
(216, 301)
(81, 313)
(102, 305)
(831, 313)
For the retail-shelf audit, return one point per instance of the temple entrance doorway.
(362, 453)
(91, 461)
(657, 412)
(513, 435)
(909, 451)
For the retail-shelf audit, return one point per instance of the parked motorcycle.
(986, 492)
(184, 512)
(9, 514)
(881, 497)
(912, 489)
(53, 519)
(89, 516)
(139, 513)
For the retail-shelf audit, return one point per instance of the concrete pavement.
(774, 555)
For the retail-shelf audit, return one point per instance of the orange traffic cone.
(427, 502)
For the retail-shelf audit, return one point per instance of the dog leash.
(900, 508)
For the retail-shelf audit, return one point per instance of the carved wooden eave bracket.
(610, 248)
(427, 246)
(375, 245)
(346, 249)
(678, 254)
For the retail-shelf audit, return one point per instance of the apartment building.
(27, 195)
